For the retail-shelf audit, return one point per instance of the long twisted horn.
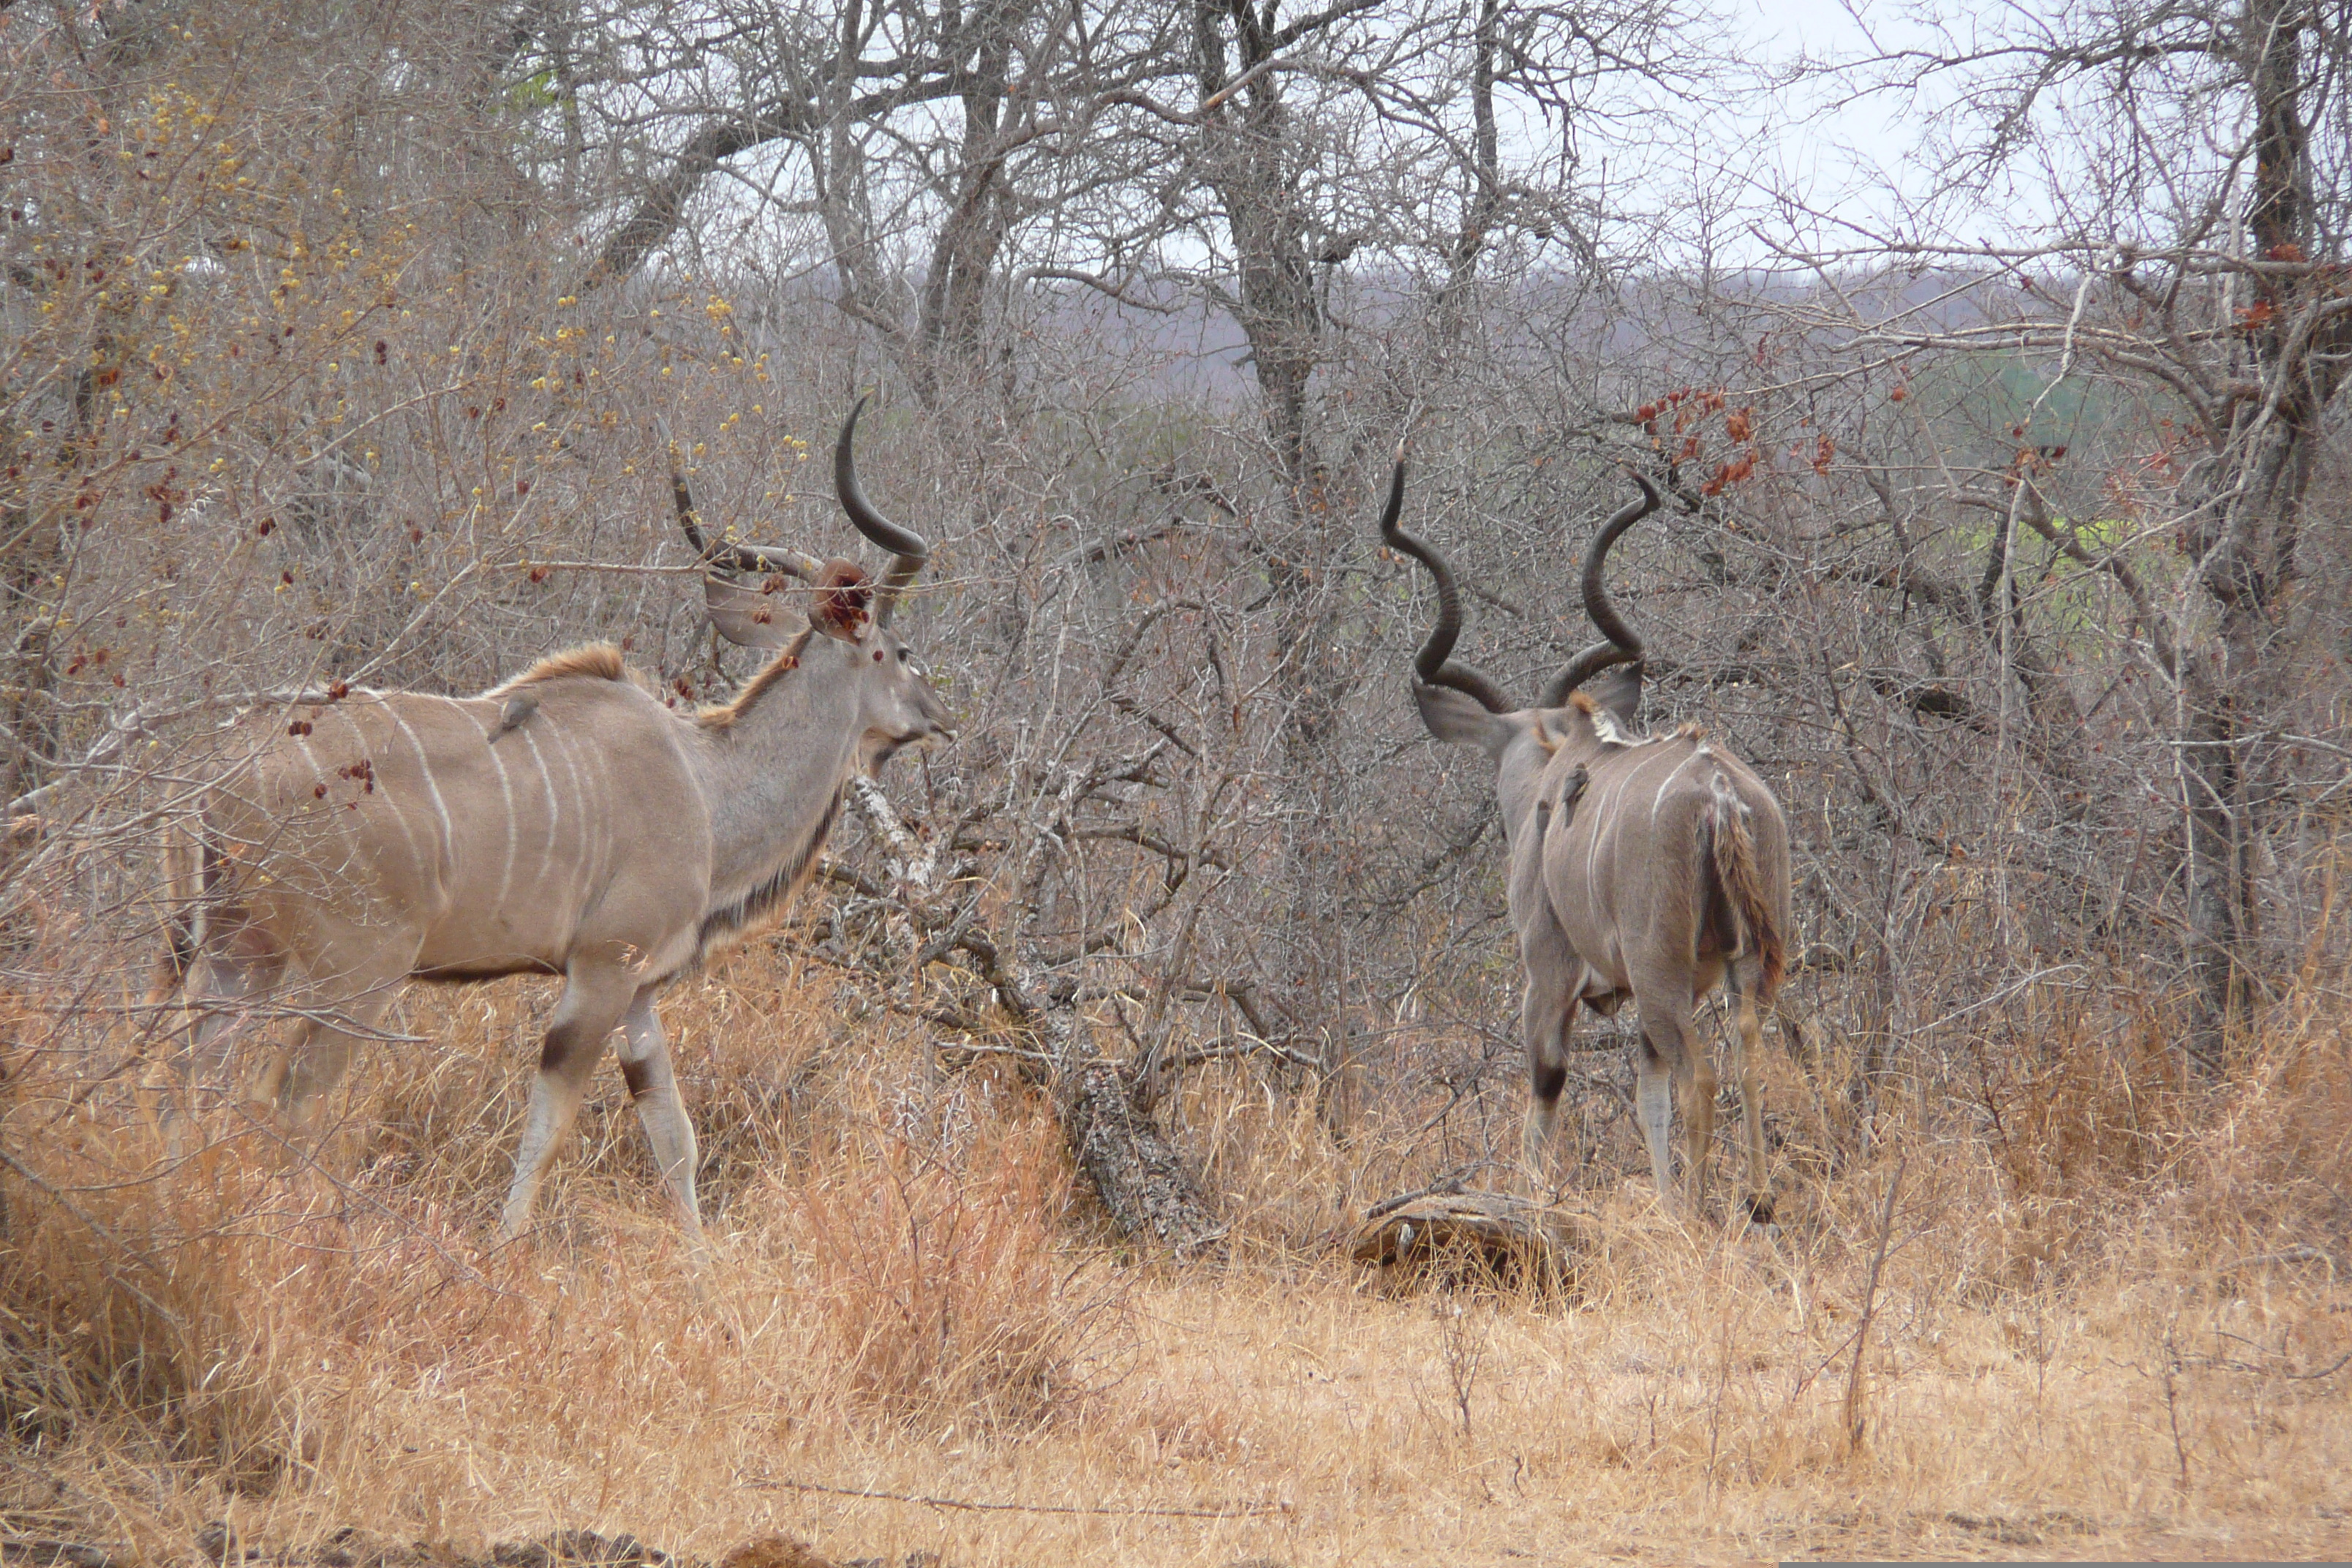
(1434, 664)
(1623, 646)
(724, 555)
(908, 549)
(727, 556)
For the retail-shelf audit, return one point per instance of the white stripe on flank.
(1669, 785)
(416, 851)
(586, 840)
(554, 808)
(584, 837)
(391, 801)
(317, 774)
(579, 791)
(1604, 812)
(603, 819)
(506, 792)
(432, 785)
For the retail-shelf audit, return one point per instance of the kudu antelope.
(1648, 865)
(565, 823)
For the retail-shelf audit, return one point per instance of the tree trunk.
(2216, 891)
(2244, 536)
(1483, 205)
(1244, 147)
(949, 342)
(1135, 1170)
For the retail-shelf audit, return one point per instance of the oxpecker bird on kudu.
(1653, 867)
(565, 823)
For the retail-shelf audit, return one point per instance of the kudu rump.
(565, 823)
(1649, 866)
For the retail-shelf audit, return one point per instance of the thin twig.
(1870, 1306)
(1244, 1511)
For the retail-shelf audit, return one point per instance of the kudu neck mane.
(726, 715)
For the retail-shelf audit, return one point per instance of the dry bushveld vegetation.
(2109, 1337)
(342, 343)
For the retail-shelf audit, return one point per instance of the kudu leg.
(1654, 1100)
(653, 1086)
(302, 1077)
(1747, 1044)
(223, 987)
(292, 1089)
(1674, 1056)
(592, 1003)
(1547, 1012)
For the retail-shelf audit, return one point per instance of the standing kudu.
(1652, 866)
(565, 823)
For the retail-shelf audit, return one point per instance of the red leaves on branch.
(1728, 474)
(1691, 407)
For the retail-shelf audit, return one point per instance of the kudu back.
(1653, 866)
(565, 823)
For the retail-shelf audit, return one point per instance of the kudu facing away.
(565, 823)
(1652, 866)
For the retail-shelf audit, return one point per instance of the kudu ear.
(746, 616)
(1618, 691)
(1464, 720)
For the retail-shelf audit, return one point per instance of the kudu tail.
(1740, 877)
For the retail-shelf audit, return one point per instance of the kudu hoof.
(1758, 1206)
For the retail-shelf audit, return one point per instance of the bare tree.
(2184, 282)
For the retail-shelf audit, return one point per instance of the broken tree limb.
(1137, 1172)
(1134, 1169)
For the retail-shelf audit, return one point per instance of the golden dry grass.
(2111, 1359)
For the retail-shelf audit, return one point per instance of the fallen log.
(1468, 1239)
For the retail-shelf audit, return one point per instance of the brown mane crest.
(718, 716)
(596, 660)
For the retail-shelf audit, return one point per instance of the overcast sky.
(1850, 158)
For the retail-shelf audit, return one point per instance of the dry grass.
(2096, 1334)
